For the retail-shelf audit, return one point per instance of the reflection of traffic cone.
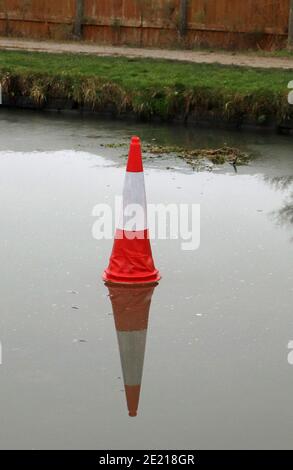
(131, 260)
(131, 306)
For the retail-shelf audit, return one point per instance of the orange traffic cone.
(131, 260)
(131, 306)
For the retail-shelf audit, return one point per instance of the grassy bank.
(148, 88)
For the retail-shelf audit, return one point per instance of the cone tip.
(135, 140)
(132, 414)
(134, 164)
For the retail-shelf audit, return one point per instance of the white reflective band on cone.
(132, 349)
(133, 215)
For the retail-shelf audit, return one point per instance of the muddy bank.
(204, 119)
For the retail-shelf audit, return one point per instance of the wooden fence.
(156, 23)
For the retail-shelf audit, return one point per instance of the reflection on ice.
(131, 307)
(283, 216)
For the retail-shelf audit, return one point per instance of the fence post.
(77, 31)
(290, 28)
(183, 17)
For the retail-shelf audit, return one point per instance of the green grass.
(138, 73)
(148, 87)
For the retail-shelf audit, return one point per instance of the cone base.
(150, 279)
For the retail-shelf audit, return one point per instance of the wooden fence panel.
(222, 23)
(240, 16)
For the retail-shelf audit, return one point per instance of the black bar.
(145, 459)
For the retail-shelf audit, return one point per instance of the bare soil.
(224, 58)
